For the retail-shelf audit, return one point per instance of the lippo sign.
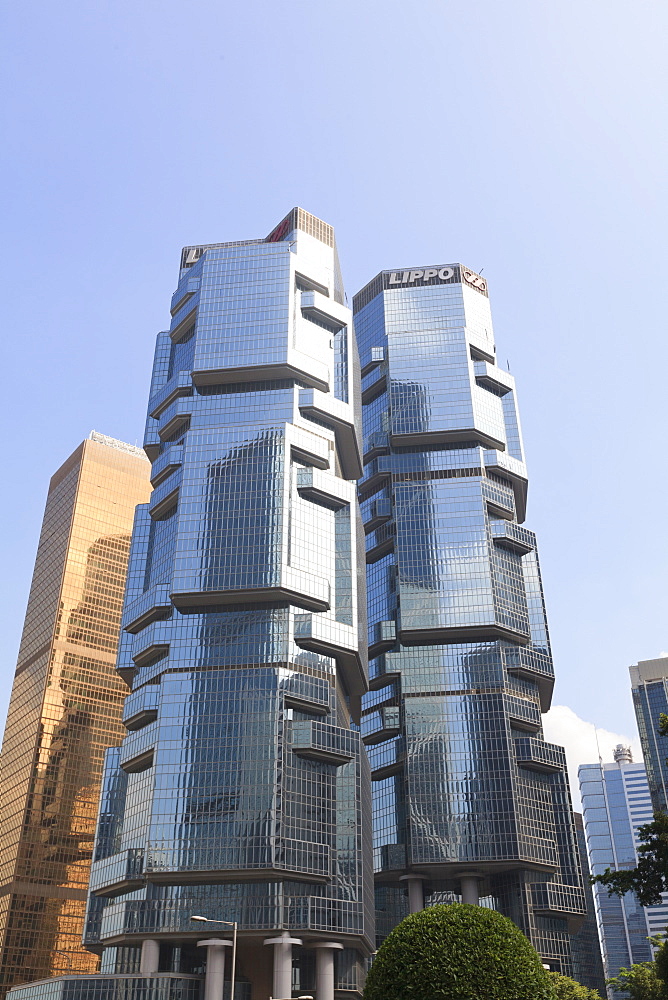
(449, 274)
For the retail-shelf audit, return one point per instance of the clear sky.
(526, 138)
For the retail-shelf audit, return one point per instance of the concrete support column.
(282, 983)
(215, 967)
(150, 957)
(324, 968)
(415, 892)
(469, 886)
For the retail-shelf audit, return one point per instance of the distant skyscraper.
(616, 801)
(469, 801)
(587, 961)
(65, 709)
(649, 683)
(241, 792)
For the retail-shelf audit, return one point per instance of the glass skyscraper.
(241, 791)
(469, 800)
(586, 945)
(65, 709)
(649, 685)
(615, 802)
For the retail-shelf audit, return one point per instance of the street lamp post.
(233, 925)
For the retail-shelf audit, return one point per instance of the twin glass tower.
(243, 790)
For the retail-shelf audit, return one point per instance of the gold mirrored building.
(65, 710)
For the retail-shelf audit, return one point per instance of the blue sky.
(524, 138)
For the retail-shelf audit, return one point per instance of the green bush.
(457, 952)
(566, 988)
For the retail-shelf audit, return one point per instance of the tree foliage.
(650, 877)
(566, 988)
(457, 952)
(641, 982)
(661, 963)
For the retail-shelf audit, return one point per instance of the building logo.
(283, 228)
(190, 256)
(446, 275)
(474, 279)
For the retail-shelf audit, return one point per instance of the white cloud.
(583, 742)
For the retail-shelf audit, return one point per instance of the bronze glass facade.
(65, 710)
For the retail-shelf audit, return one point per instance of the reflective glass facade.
(469, 801)
(649, 685)
(65, 709)
(615, 802)
(241, 790)
(586, 947)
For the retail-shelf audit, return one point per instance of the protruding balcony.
(393, 857)
(151, 642)
(323, 488)
(154, 603)
(512, 536)
(532, 665)
(493, 378)
(524, 714)
(500, 500)
(324, 309)
(376, 473)
(325, 635)
(384, 668)
(118, 874)
(383, 636)
(178, 385)
(551, 899)
(165, 496)
(324, 742)
(141, 707)
(512, 469)
(535, 755)
(374, 357)
(295, 586)
(166, 463)
(376, 444)
(137, 749)
(175, 416)
(386, 758)
(374, 383)
(381, 724)
(187, 288)
(379, 511)
(339, 415)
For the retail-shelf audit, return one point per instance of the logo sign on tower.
(437, 275)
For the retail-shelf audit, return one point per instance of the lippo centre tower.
(239, 791)
(470, 802)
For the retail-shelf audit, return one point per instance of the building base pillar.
(324, 968)
(150, 957)
(469, 883)
(282, 981)
(415, 892)
(215, 967)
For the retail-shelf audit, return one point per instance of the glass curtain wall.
(469, 800)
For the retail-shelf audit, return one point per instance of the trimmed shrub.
(457, 952)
